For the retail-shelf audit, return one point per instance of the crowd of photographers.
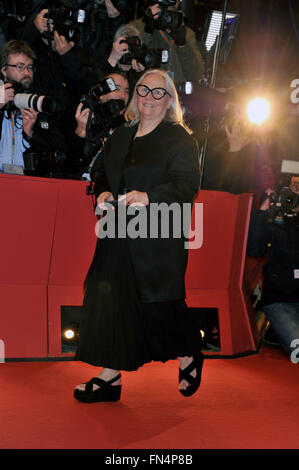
(68, 70)
(85, 58)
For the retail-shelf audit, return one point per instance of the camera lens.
(39, 103)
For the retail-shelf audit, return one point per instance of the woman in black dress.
(134, 305)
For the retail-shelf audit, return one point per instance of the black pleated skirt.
(120, 332)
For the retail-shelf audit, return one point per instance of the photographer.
(120, 57)
(96, 119)
(23, 129)
(240, 157)
(163, 28)
(51, 75)
(64, 68)
(280, 290)
(106, 17)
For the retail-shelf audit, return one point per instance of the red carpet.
(243, 403)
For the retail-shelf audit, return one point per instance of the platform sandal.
(185, 374)
(106, 392)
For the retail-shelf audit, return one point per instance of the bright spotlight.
(69, 334)
(258, 110)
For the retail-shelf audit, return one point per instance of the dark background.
(266, 45)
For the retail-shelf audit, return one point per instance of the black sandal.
(107, 392)
(185, 374)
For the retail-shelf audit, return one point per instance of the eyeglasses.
(22, 67)
(157, 93)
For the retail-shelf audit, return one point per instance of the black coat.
(165, 165)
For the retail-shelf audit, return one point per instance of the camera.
(23, 99)
(67, 21)
(286, 200)
(172, 20)
(102, 88)
(40, 103)
(134, 45)
(282, 206)
(102, 115)
(150, 58)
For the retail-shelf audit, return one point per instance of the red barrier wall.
(215, 273)
(48, 239)
(47, 242)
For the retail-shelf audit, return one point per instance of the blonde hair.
(175, 112)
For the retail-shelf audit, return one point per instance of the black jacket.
(65, 77)
(165, 165)
(280, 282)
(46, 134)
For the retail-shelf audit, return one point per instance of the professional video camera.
(150, 58)
(102, 115)
(282, 206)
(67, 20)
(168, 19)
(283, 203)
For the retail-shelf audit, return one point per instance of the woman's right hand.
(106, 196)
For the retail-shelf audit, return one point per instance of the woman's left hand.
(135, 198)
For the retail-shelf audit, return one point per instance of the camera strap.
(170, 42)
(13, 135)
